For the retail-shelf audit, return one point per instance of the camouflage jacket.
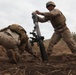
(56, 18)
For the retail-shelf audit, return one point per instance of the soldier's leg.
(54, 40)
(18, 56)
(28, 47)
(13, 55)
(22, 48)
(68, 38)
(25, 47)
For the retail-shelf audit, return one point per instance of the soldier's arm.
(46, 15)
(43, 19)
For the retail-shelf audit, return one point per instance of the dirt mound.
(61, 62)
(57, 65)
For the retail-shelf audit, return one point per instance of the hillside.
(60, 48)
(62, 62)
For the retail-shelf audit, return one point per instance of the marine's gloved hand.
(38, 12)
(33, 12)
(35, 16)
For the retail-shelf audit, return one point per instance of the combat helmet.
(50, 3)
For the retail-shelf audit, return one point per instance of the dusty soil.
(61, 62)
(57, 65)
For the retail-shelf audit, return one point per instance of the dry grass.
(58, 65)
(60, 48)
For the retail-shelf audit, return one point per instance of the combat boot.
(13, 57)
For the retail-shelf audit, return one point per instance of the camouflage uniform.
(58, 20)
(14, 54)
(23, 36)
(19, 42)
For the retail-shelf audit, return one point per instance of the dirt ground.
(61, 62)
(57, 65)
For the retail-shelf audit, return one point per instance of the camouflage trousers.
(66, 36)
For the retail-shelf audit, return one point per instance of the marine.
(58, 21)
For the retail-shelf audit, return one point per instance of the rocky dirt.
(61, 62)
